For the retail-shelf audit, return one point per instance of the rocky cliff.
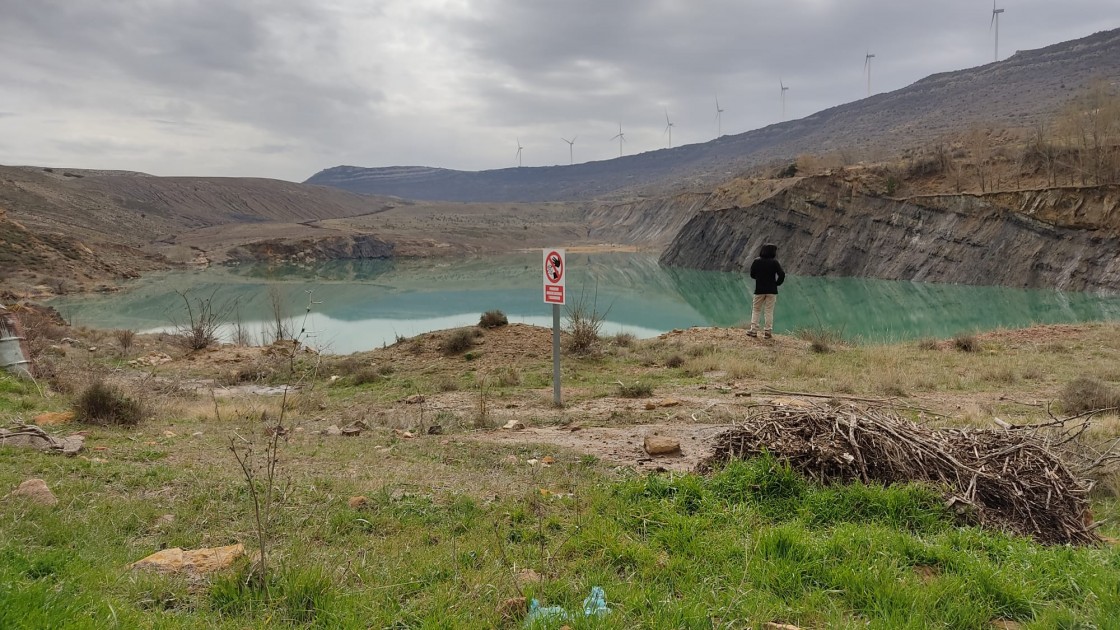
(1064, 239)
(355, 247)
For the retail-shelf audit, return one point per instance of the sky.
(285, 88)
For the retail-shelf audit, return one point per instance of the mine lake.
(348, 306)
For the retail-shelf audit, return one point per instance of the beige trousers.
(764, 302)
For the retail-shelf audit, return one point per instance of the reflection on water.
(363, 304)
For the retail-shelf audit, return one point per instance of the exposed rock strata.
(306, 250)
(1057, 238)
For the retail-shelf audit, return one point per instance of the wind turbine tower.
(519, 147)
(785, 88)
(571, 149)
(669, 128)
(621, 138)
(719, 119)
(867, 67)
(995, 23)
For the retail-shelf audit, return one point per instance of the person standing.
(768, 275)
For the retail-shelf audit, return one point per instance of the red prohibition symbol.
(554, 267)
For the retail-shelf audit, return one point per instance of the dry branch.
(1014, 479)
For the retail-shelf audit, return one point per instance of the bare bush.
(125, 338)
(204, 320)
(1088, 394)
(105, 405)
(584, 324)
(493, 319)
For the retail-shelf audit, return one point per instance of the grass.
(751, 544)
(449, 521)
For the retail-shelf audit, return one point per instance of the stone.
(527, 576)
(36, 490)
(513, 609)
(195, 562)
(435, 429)
(670, 402)
(514, 425)
(333, 430)
(72, 444)
(54, 417)
(357, 502)
(351, 431)
(548, 460)
(650, 406)
(661, 445)
(414, 399)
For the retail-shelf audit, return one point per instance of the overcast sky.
(284, 88)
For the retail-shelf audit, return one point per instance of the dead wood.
(1030, 480)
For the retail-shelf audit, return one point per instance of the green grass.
(752, 543)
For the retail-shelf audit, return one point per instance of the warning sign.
(554, 268)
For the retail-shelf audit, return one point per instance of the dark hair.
(768, 250)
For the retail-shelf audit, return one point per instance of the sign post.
(555, 268)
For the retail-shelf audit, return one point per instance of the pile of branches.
(1032, 480)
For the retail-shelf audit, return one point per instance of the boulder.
(36, 490)
(194, 562)
(661, 445)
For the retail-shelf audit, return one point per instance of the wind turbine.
(719, 119)
(995, 23)
(519, 147)
(571, 149)
(867, 66)
(784, 89)
(621, 138)
(669, 128)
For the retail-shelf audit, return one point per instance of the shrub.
(366, 376)
(508, 376)
(493, 319)
(104, 405)
(1088, 394)
(928, 344)
(821, 338)
(966, 343)
(624, 339)
(584, 323)
(124, 338)
(674, 361)
(457, 342)
(637, 390)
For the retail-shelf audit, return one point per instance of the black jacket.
(767, 274)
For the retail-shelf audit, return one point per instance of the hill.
(1017, 93)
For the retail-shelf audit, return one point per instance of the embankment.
(1065, 238)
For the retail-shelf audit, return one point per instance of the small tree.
(204, 320)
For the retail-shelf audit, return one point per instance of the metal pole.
(556, 354)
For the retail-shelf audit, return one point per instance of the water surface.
(358, 305)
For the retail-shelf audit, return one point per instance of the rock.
(195, 562)
(333, 430)
(54, 417)
(512, 459)
(651, 406)
(357, 502)
(72, 444)
(36, 490)
(358, 424)
(670, 402)
(414, 399)
(548, 460)
(435, 429)
(513, 609)
(351, 431)
(169, 434)
(661, 445)
(514, 425)
(532, 462)
(527, 576)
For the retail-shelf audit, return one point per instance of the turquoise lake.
(359, 305)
